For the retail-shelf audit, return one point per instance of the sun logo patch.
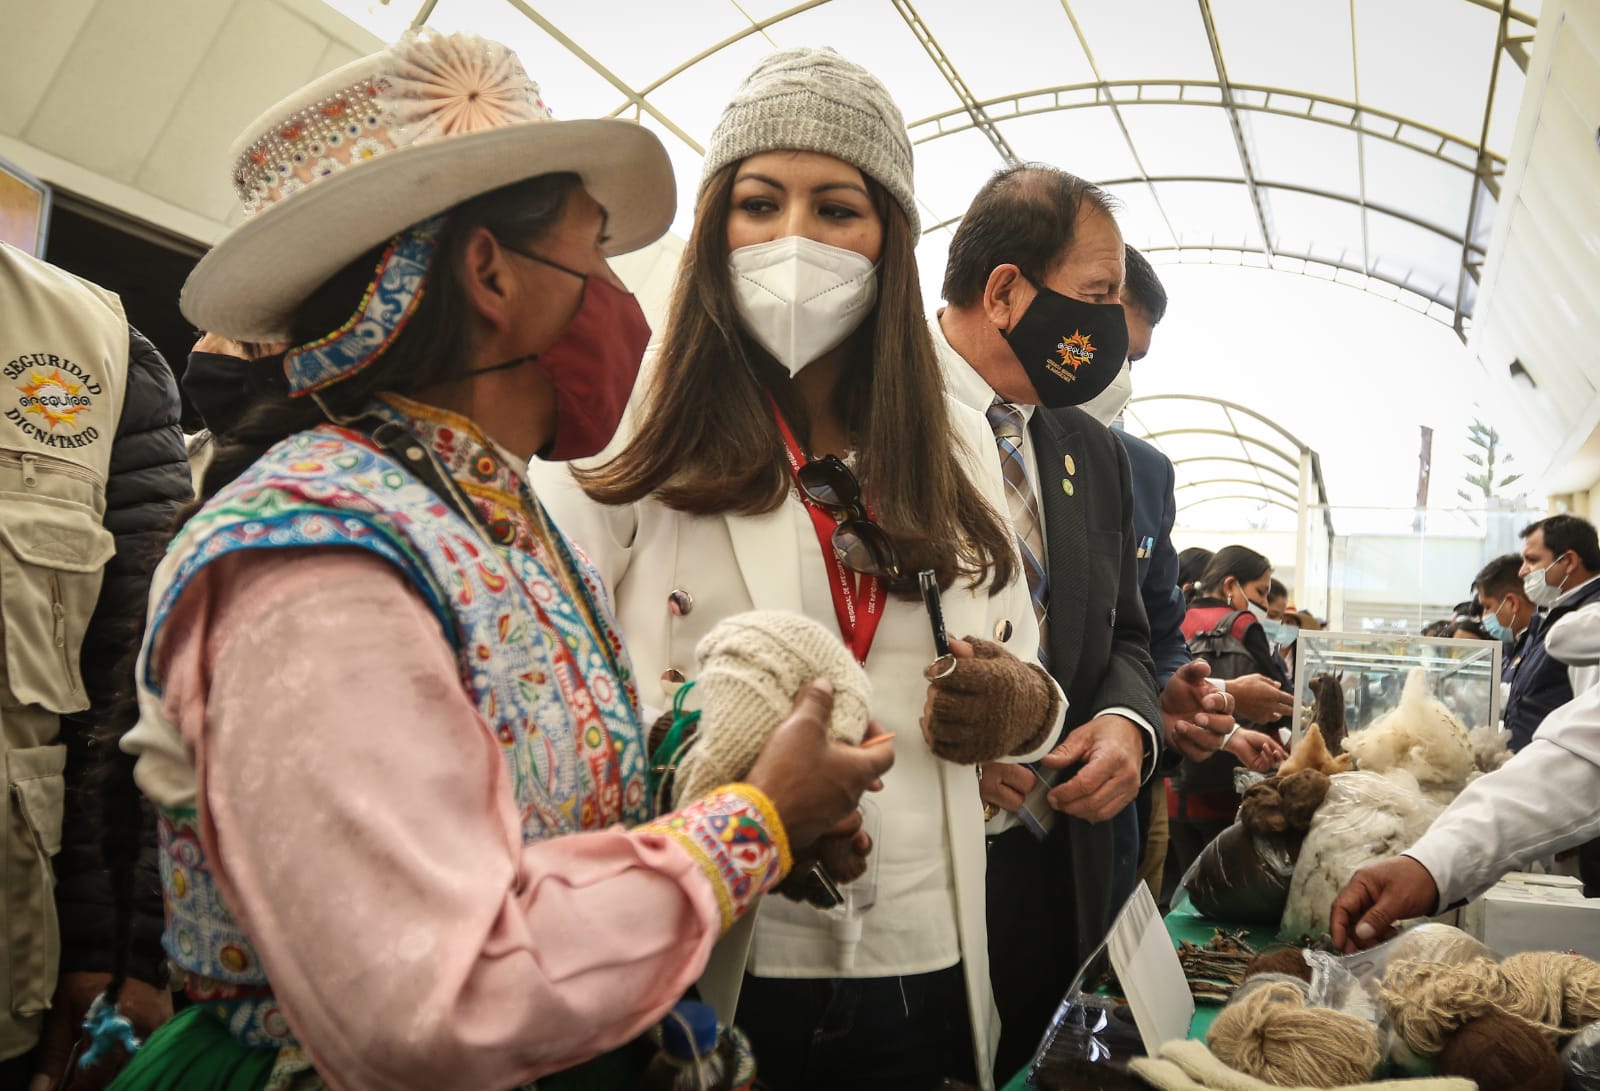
(55, 400)
(54, 397)
(1071, 354)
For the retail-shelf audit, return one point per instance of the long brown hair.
(706, 443)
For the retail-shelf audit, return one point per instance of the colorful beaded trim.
(387, 305)
(350, 125)
(735, 836)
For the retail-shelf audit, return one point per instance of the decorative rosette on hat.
(385, 145)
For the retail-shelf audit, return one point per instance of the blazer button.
(680, 603)
(672, 680)
(1111, 617)
(1002, 630)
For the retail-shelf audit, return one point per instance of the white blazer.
(730, 564)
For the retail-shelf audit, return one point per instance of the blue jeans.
(869, 1033)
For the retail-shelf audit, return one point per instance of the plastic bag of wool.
(1366, 817)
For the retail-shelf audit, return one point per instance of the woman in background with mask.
(1225, 626)
(794, 450)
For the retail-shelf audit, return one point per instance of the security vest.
(63, 376)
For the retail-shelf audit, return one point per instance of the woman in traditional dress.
(387, 719)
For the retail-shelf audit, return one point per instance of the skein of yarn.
(1550, 987)
(1548, 991)
(1501, 1053)
(1289, 961)
(1429, 1001)
(1268, 1032)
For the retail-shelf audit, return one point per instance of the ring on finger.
(943, 667)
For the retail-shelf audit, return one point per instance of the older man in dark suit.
(1033, 328)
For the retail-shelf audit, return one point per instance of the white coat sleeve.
(1575, 638)
(1541, 802)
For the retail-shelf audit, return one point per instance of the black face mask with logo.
(1071, 350)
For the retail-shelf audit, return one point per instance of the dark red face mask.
(592, 364)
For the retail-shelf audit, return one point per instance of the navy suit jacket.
(1154, 510)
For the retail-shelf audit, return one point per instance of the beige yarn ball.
(751, 667)
(1270, 1033)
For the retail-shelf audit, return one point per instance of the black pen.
(930, 599)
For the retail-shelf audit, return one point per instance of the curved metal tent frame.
(1394, 266)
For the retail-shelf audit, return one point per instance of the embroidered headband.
(390, 300)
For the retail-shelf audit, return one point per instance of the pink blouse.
(361, 825)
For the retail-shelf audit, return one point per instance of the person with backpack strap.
(1223, 626)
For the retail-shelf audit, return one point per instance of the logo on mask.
(1071, 354)
(53, 401)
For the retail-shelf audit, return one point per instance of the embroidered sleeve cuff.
(736, 837)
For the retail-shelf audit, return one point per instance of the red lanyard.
(848, 588)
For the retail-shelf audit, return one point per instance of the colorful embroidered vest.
(527, 618)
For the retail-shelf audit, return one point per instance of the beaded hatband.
(429, 86)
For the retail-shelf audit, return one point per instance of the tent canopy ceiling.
(1355, 140)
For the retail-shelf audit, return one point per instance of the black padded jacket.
(147, 484)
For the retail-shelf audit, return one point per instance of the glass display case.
(1371, 669)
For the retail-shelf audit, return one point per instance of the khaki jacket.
(63, 375)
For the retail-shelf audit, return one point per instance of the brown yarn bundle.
(1271, 1034)
(1288, 960)
(1549, 992)
(1500, 1053)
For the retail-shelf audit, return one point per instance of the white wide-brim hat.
(388, 140)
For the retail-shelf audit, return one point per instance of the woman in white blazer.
(796, 333)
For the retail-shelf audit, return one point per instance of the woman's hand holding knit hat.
(815, 781)
(992, 705)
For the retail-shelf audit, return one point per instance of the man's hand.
(1259, 699)
(1256, 751)
(1194, 715)
(1003, 785)
(1111, 749)
(145, 1005)
(1378, 895)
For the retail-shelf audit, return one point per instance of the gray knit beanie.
(814, 100)
(751, 667)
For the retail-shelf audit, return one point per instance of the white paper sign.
(1147, 967)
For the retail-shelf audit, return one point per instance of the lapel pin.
(1072, 466)
(1066, 487)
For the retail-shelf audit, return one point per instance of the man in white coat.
(1541, 802)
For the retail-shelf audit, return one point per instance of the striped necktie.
(1006, 420)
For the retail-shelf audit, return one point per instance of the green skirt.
(193, 1051)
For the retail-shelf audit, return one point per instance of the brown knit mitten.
(991, 706)
(844, 864)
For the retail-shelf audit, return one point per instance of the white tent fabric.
(1340, 138)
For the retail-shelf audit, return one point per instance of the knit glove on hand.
(991, 706)
(843, 862)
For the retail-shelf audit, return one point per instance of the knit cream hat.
(814, 100)
(751, 667)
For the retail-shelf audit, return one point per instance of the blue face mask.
(1279, 634)
(1492, 626)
